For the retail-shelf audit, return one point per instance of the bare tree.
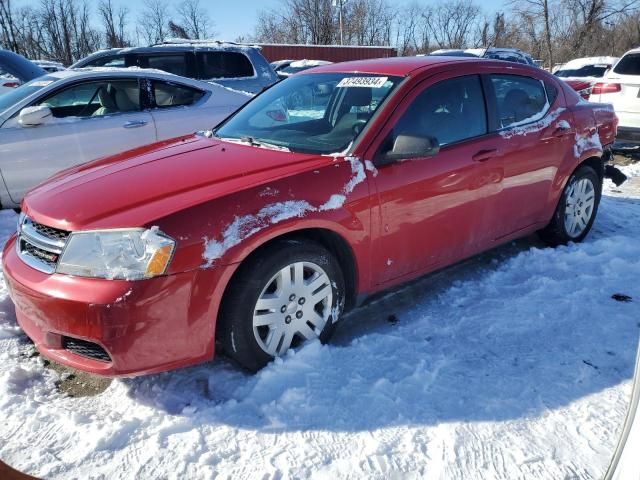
(65, 30)
(412, 31)
(8, 28)
(194, 19)
(538, 9)
(153, 23)
(114, 22)
(177, 31)
(451, 23)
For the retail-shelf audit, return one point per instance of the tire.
(254, 336)
(576, 210)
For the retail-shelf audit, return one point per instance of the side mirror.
(408, 146)
(34, 116)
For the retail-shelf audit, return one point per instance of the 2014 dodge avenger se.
(331, 185)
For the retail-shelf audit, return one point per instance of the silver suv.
(241, 67)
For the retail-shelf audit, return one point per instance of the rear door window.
(224, 64)
(174, 63)
(519, 99)
(628, 65)
(93, 99)
(169, 94)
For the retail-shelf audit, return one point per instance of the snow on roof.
(48, 62)
(583, 62)
(359, 47)
(308, 63)
(136, 71)
(209, 43)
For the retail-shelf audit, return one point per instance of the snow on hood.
(243, 227)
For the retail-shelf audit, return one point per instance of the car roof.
(633, 50)
(581, 62)
(186, 46)
(137, 72)
(395, 66)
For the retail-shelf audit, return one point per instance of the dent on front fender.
(326, 193)
(330, 197)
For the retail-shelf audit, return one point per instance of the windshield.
(586, 71)
(16, 95)
(315, 113)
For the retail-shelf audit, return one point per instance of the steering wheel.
(357, 126)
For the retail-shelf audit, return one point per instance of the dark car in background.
(241, 67)
(507, 54)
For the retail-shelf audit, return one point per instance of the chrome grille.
(50, 232)
(40, 246)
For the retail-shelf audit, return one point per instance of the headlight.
(117, 254)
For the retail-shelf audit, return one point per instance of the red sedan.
(332, 185)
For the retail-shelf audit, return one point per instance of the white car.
(70, 117)
(621, 88)
(582, 73)
(49, 66)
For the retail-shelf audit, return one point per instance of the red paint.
(582, 87)
(408, 219)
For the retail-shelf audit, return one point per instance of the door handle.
(484, 155)
(135, 124)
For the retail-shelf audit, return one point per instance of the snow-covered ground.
(513, 365)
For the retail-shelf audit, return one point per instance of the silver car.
(70, 117)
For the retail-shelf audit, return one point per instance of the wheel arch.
(595, 162)
(329, 239)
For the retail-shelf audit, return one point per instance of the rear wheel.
(290, 292)
(576, 210)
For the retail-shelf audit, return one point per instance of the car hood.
(137, 187)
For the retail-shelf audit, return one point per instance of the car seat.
(107, 102)
(124, 102)
(516, 106)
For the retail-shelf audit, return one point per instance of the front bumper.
(143, 326)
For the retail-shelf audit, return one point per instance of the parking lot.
(458, 375)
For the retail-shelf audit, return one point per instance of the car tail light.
(10, 84)
(600, 88)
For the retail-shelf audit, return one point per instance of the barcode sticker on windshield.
(371, 82)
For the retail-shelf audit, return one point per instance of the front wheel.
(288, 293)
(576, 210)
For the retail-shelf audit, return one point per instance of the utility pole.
(339, 3)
